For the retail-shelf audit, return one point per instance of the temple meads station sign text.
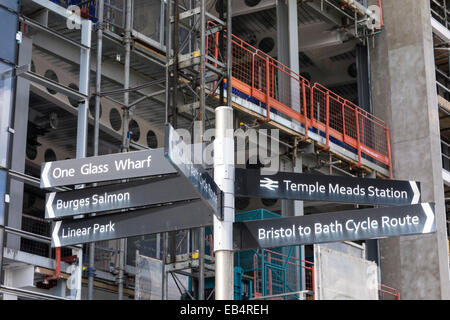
(104, 168)
(301, 186)
(335, 226)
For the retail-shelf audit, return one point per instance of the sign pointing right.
(335, 226)
(315, 187)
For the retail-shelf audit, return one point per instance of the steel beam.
(53, 85)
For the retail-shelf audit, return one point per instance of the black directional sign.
(176, 150)
(302, 186)
(118, 196)
(103, 168)
(335, 226)
(132, 223)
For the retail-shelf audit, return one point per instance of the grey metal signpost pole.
(82, 126)
(126, 133)
(98, 80)
(224, 177)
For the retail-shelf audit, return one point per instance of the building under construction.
(352, 88)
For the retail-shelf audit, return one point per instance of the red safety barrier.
(388, 293)
(258, 75)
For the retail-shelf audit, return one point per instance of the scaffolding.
(203, 58)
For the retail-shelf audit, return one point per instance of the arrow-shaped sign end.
(55, 237)
(45, 183)
(430, 217)
(48, 206)
(416, 191)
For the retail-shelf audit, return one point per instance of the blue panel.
(3, 177)
(11, 4)
(8, 29)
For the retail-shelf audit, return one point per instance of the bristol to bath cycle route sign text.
(335, 226)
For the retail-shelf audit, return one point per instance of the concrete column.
(363, 77)
(404, 95)
(287, 49)
(287, 33)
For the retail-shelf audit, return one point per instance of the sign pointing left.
(103, 168)
(131, 223)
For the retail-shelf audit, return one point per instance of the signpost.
(178, 152)
(335, 226)
(178, 216)
(104, 168)
(118, 196)
(310, 187)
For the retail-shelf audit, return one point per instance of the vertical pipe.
(305, 107)
(388, 138)
(163, 265)
(267, 89)
(164, 280)
(168, 43)
(100, 7)
(82, 121)
(253, 74)
(202, 65)
(381, 13)
(229, 54)
(224, 177)
(327, 120)
(255, 273)
(174, 72)
(343, 122)
(358, 136)
(269, 275)
(312, 106)
(126, 82)
(168, 55)
(220, 37)
(202, 116)
(263, 274)
(201, 264)
(125, 131)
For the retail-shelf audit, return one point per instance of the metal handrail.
(301, 294)
(260, 76)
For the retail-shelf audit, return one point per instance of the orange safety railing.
(288, 94)
(388, 293)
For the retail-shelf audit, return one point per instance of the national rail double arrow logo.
(268, 184)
